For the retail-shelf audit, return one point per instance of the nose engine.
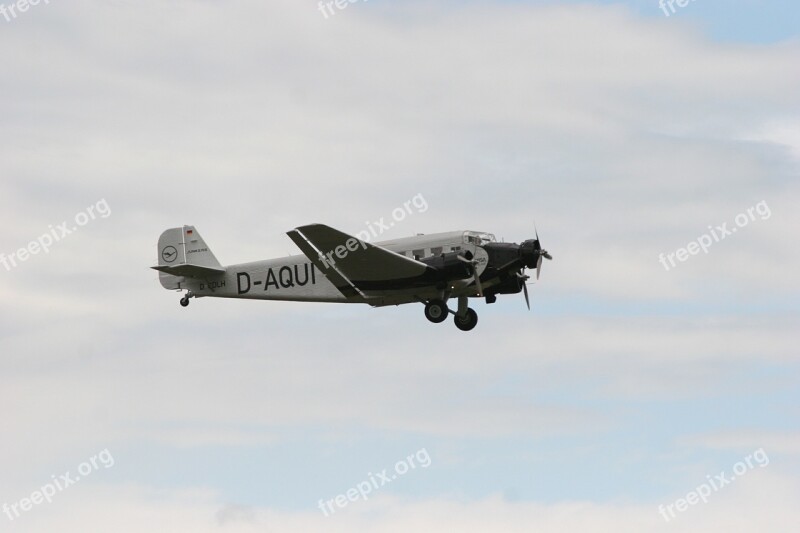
(508, 261)
(531, 254)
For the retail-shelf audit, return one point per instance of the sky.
(652, 387)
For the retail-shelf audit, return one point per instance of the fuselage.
(295, 278)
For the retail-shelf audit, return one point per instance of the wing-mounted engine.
(451, 266)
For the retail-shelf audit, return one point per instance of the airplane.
(337, 267)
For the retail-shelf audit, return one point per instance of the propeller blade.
(527, 300)
(538, 267)
(539, 248)
(475, 274)
(478, 283)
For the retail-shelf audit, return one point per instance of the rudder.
(182, 246)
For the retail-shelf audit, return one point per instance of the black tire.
(468, 322)
(184, 302)
(436, 311)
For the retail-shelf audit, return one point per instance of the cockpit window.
(473, 237)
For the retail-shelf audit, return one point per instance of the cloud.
(621, 137)
(762, 499)
(778, 442)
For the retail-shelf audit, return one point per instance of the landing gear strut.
(466, 318)
(185, 299)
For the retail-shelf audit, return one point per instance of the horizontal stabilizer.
(190, 271)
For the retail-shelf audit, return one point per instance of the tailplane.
(182, 252)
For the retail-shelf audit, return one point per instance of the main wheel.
(436, 311)
(469, 321)
(184, 301)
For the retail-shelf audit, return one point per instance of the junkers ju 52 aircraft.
(337, 267)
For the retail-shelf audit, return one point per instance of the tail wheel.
(184, 301)
(469, 321)
(436, 311)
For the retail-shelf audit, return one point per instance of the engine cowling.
(450, 266)
(512, 285)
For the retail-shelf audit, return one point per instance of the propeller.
(523, 279)
(539, 253)
(478, 283)
(542, 253)
(475, 274)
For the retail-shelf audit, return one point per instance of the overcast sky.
(622, 130)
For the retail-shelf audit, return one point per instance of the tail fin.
(183, 252)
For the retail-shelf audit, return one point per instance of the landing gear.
(436, 311)
(465, 319)
(468, 321)
(185, 299)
